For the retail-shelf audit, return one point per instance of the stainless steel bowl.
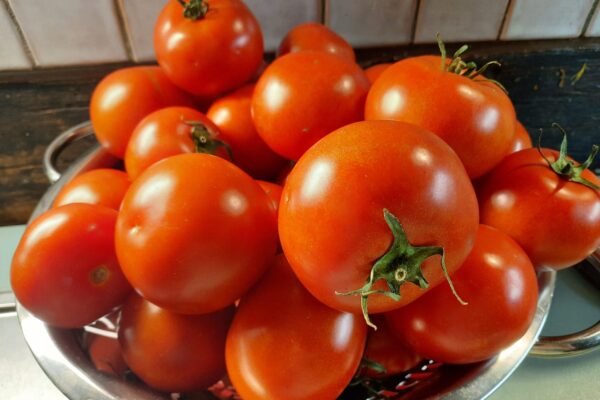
(59, 351)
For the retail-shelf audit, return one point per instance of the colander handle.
(59, 144)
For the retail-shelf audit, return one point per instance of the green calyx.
(204, 142)
(194, 9)
(467, 69)
(564, 166)
(399, 265)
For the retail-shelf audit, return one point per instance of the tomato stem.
(399, 265)
(564, 166)
(204, 142)
(194, 9)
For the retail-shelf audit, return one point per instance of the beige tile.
(140, 17)
(594, 27)
(66, 32)
(277, 17)
(12, 54)
(459, 20)
(372, 22)
(545, 19)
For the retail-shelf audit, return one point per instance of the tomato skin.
(497, 281)
(126, 96)
(555, 221)
(521, 140)
(106, 356)
(194, 233)
(313, 36)
(65, 271)
(475, 117)
(173, 352)
(303, 96)
(101, 186)
(162, 134)
(213, 54)
(375, 71)
(304, 350)
(331, 221)
(274, 191)
(232, 115)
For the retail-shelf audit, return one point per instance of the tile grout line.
(24, 43)
(124, 29)
(504, 18)
(413, 31)
(588, 20)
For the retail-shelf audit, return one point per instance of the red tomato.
(194, 233)
(106, 356)
(374, 71)
(499, 284)
(475, 117)
(331, 215)
(65, 271)
(126, 96)
(284, 344)
(215, 46)
(168, 132)
(556, 221)
(303, 96)
(173, 352)
(99, 186)
(315, 37)
(274, 191)
(522, 140)
(232, 115)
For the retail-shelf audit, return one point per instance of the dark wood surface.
(35, 106)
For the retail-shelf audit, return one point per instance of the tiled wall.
(50, 33)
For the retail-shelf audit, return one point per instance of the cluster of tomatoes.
(264, 236)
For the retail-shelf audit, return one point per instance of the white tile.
(372, 22)
(545, 19)
(66, 32)
(594, 27)
(276, 18)
(459, 20)
(12, 54)
(140, 17)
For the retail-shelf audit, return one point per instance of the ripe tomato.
(374, 71)
(498, 282)
(65, 271)
(249, 152)
(274, 191)
(556, 221)
(284, 344)
(212, 47)
(303, 96)
(521, 140)
(173, 352)
(99, 186)
(126, 96)
(475, 117)
(168, 132)
(315, 37)
(331, 215)
(106, 356)
(194, 233)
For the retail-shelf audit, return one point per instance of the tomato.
(522, 140)
(303, 96)
(284, 344)
(274, 191)
(556, 221)
(499, 284)
(64, 270)
(215, 48)
(232, 115)
(99, 186)
(106, 356)
(126, 96)
(173, 352)
(194, 233)
(333, 226)
(374, 71)
(315, 37)
(386, 350)
(475, 117)
(168, 132)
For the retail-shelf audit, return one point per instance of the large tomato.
(208, 47)
(474, 116)
(554, 219)
(315, 37)
(126, 96)
(303, 96)
(249, 152)
(173, 352)
(333, 227)
(65, 270)
(497, 281)
(284, 344)
(99, 186)
(194, 233)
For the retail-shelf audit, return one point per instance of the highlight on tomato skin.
(101, 186)
(521, 140)
(312, 36)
